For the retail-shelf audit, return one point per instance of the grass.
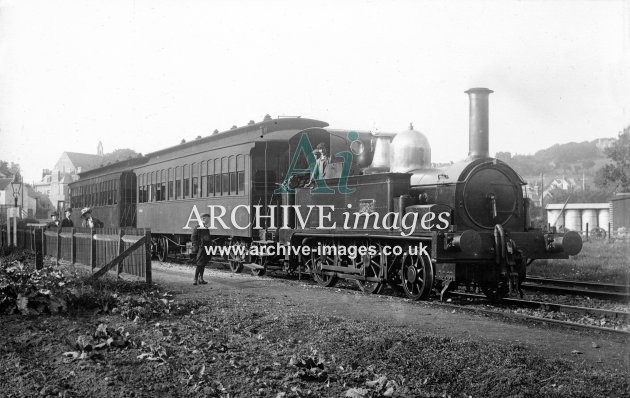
(599, 261)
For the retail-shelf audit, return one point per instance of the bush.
(29, 291)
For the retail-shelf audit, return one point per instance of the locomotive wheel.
(371, 266)
(416, 273)
(315, 263)
(236, 261)
(262, 261)
(162, 248)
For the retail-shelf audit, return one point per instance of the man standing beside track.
(200, 239)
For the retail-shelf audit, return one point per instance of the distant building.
(43, 186)
(620, 211)
(66, 170)
(563, 183)
(603, 143)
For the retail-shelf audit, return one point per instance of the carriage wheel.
(236, 260)
(315, 263)
(162, 248)
(262, 261)
(371, 266)
(416, 273)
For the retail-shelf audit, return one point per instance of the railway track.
(609, 315)
(589, 289)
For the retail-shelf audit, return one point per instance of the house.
(563, 183)
(67, 170)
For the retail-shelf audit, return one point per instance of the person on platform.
(200, 240)
(54, 224)
(89, 221)
(67, 222)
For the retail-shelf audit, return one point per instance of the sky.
(146, 74)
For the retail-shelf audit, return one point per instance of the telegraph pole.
(542, 198)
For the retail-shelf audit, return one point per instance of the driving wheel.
(416, 273)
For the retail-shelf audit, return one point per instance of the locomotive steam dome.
(410, 150)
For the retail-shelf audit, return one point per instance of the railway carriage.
(239, 167)
(111, 193)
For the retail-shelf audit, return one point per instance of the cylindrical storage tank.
(589, 216)
(603, 218)
(572, 220)
(554, 214)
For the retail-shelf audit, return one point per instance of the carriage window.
(217, 177)
(178, 182)
(160, 186)
(186, 182)
(202, 186)
(163, 182)
(116, 184)
(225, 178)
(232, 171)
(195, 180)
(240, 174)
(141, 188)
(152, 187)
(170, 184)
(210, 178)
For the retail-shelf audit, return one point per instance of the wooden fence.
(102, 249)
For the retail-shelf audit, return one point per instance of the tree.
(615, 176)
(119, 155)
(9, 170)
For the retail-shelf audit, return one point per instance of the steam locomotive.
(381, 214)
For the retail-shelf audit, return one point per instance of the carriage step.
(253, 266)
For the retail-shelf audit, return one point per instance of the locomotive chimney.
(478, 130)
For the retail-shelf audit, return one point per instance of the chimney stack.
(478, 131)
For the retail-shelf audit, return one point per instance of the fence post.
(92, 250)
(120, 250)
(609, 235)
(15, 241)
(39, 247)
(58, 253)
(587, 232)
(72, 248)
(147, 255)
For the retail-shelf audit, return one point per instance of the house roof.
(84, 160)
(4, 183)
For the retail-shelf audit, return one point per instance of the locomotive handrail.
(363, 235)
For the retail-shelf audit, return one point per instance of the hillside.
(572, 160)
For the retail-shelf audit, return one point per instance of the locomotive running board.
(253, 266)
(344, 270)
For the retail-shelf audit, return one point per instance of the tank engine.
(474, 230)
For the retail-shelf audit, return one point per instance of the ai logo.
(319, 185)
